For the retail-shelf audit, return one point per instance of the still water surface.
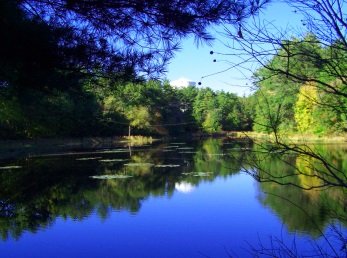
(178, 199)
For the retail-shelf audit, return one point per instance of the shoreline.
(29, 147)
(76, 141)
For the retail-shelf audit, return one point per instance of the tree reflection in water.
(49, 187)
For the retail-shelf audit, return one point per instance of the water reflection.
(48, 187)
(294, 197)
(184, 187)
(35, 191)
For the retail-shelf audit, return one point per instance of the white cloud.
(182, 82)
(184, 187)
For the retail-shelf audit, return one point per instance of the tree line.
(102, 108)
(114, 106)
(292, 94)
(86, 68)
(58, 79)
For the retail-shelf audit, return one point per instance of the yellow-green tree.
(139, 117)
(212, 121)
(305, 106)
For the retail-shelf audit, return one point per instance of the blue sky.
(194, 63)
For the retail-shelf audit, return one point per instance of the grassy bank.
(25, 147)
(295, 138)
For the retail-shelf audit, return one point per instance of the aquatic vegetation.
(167, 166)
(240, 149)
(111, 176)
(90, 158)
(10, 167)
(139, 164)
(113, 160)
(115, 151)
(198, 173)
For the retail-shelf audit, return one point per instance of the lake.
(184, 198)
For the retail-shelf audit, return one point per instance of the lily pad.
(203, 174)
(112, 160)
(139, 164)
(90, 158)
(240, 149)
(10, 167)
(199, 173)
(115, 151)
(111, 176)
(167, 166)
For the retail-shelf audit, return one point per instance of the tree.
(315, 56)
(212, 121)
(127, 36)
(226, 103)
(138, 117)
(205, 108)
(304, 108)
(56, 48)
(276, 93)
(134, 103)
(31, 55)
(233, 112)
(187, 97)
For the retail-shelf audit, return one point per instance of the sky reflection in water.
(201, 217)
(215, 216)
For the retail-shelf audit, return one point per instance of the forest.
(88, 68)
(303, 105)
(102, 108)
(62, 80)
(59, 103)
(53, 84)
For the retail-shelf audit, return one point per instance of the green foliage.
(275, 98)
(277, 92)
(283, 101)
(186, 97)
(234, 112)
(138, 117)
(58, 79)
(312, 116)
(53, 87)
(216, 111)
(304, 108)
(212, 121)
(204, 102)
(102, 35)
